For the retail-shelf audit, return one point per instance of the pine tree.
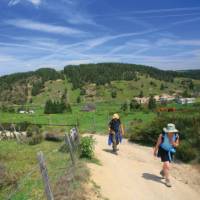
(124, 106)
(141, 94)
(114, 94)
(134, 105)
(78, 100)
(162, 87)
(152, 103)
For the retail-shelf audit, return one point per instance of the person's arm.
(110, 129)
(122, 129)
(176, 143)
(157, 144)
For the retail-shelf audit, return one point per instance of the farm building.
(166, 98)
(142, 100)
(186, 100)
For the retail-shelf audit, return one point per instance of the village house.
(186, 100)
(142, 100)
(166, 98)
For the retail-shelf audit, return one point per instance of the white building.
(186, 100)
(142, 100)
(31, 111)
(22, 112)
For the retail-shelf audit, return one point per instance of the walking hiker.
(116, 131)
(166, 148)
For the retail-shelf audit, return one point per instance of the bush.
(145, 136)
(53, 137)
(22, 126)
(187, 124)
(34, 135)
(113, 94)
(185, 152)
(86, 147)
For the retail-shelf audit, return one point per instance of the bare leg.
(166, 167)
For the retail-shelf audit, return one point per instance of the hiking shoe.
(162, 174)
(167, 183)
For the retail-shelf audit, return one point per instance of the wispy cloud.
(186, 21)
(15, 2)
(43, 27)
(175, 42)
(150, 11)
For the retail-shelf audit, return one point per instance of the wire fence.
(31, 186)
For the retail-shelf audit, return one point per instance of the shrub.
(53, 137)
(187, 124)
(113, 94)
(124, 106)
(22, 126)
(134, 105)
(34, 135)
(86, 147)
(185, 152)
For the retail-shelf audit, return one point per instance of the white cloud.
(186, 21)
(15, 2)
(43, 27)
(35, 2)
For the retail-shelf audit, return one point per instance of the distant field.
(88, 121)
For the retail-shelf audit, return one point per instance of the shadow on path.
(152, 177)
(110, 151)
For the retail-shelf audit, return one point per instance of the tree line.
(103, 73)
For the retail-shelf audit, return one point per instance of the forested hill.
(106, 72)
(14, 87)
(18, 87)
(195, 74)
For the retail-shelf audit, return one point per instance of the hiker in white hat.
(165, 149)
(116, 131)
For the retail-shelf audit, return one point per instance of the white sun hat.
(170, 128)
(115, 116)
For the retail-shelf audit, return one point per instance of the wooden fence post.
(72, 143)
(78, 136)
(68, 143)
(45, 177)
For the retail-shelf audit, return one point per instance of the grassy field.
(96, 121)
(22, 170)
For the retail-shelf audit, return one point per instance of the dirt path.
(134, 174)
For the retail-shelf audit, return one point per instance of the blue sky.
(55, 33)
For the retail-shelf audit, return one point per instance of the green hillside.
(94, 82)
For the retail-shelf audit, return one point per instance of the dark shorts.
(164, 155)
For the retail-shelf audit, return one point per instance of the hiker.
(166, 148)
(116, 131)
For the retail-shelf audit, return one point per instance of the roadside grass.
(20, 162)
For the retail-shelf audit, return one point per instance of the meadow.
(96, 121)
